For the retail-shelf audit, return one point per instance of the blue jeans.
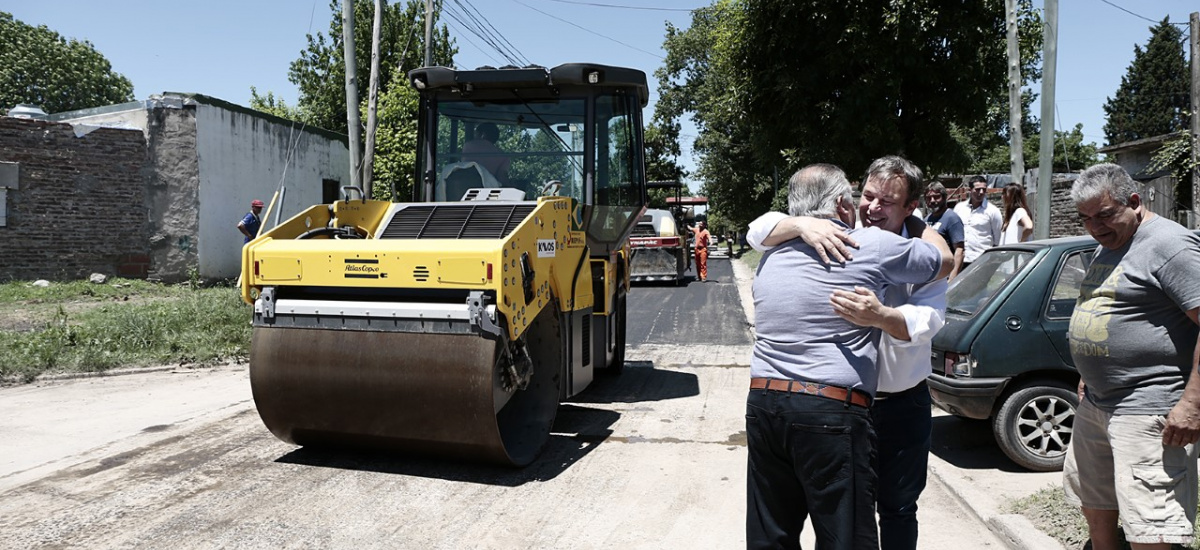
(809, 456)
(903, 425)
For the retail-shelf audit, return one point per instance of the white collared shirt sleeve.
(761, 228)
(905, 363)
(924, 314)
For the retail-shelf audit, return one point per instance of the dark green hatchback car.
(1003, 353)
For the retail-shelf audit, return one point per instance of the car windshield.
(977, 284)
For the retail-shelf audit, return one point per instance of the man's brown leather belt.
(838, 393)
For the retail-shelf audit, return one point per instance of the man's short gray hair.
(816, 191)
(1103, 178)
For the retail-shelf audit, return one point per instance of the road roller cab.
(455, 324)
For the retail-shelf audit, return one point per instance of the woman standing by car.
(1018, 226)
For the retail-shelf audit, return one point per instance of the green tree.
(849, 85)
(320, 72)
(776, 84)
(320, 76)
(702, 77)
(396, 143)
(662, 160)
(276, 106)
(40, 67)
(1153, 97)
(986, 142)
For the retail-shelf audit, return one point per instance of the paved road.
(179, 459)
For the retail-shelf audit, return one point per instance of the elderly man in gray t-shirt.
(1134, 339)
(813, 375)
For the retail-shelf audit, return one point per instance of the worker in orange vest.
(701, 246)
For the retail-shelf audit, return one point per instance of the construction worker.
(701, 245)
(251, 222)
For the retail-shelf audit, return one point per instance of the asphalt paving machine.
(454, 325)
(658, 244)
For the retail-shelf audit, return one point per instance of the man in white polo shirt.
(981, 221)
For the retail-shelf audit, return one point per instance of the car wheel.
(1034, 425)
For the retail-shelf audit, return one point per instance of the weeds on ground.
(751, 257)
(121, 324)
(1050, 512)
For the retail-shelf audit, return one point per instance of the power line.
(651, 8)
(481, 21)
(588, 30)
(467, 20)
(472, 42)
(1138, 14)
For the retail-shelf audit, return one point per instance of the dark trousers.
(903, 427)
(809, 456)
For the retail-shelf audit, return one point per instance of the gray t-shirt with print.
(797, 334)
(1130, 336)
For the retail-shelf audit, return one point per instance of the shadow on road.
(969, 444)
(577, 430)
(640, 382)
(575, 433)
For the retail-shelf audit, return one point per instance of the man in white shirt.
(981, 221)
(909, 317)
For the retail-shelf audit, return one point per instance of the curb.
(187, 368)
(1014, 530)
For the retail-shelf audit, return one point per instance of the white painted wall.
(244, 157)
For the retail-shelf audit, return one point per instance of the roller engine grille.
(644, 230)
(456, 221)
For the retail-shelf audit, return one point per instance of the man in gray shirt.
(813, 376)
(1133, 338)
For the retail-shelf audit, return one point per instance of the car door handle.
(1013, 323)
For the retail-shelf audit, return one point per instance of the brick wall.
(1064, 217)
(80, 205)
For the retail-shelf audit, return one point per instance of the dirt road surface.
(178, 459)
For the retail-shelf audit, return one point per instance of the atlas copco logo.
(361, 268)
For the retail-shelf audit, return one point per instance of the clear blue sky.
(223, 47)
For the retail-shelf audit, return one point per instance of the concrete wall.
(243, 157)
(78, 203)
(173, 193)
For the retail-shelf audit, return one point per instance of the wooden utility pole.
(1195, 39)
(351, 92)
(1016, 144)
(428, 32)
(1041, 225)
(373, 100)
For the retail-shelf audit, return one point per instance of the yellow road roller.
(453, 325)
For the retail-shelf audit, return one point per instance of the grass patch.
(1050, 512)
(751, 257)
(86, 327)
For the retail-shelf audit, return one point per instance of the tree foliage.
(776, 84)
(320, 72)
(987, 141)
(320, 76)
(1070, 153)
(1175, 156)
(272, 105)
(701, 77)
(1153, 97)
(40, 67)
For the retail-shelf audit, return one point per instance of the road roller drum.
(431, 394)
